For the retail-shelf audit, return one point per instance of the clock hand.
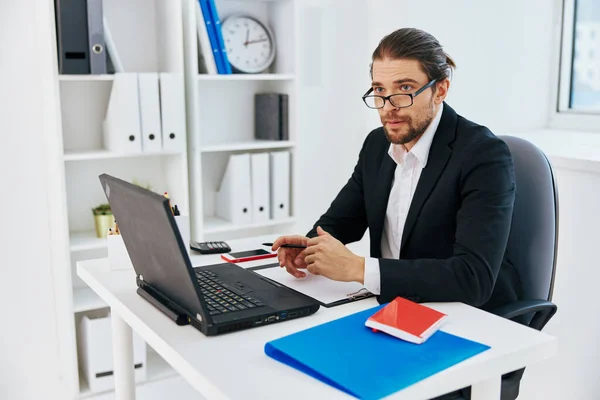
(256, 41)
(247, 37)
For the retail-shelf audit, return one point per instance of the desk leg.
(123, 359)
(486, 390)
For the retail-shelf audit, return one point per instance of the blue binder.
(349, 356)
(212, 36)
(214, 13)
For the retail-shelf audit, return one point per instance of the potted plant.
(103, 219)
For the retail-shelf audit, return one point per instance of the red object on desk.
(406, 320)
(227, 258)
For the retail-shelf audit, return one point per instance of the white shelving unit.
(85, 299)
(221, 115)
(158, 369)
(85, 78)
(148, 36)
(249, 77)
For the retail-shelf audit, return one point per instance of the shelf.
(158, 369)
(105, 155)
(247, 77)
(251, 145)
(85, 299)
(86, 240)
(85, 78)
(218, 225)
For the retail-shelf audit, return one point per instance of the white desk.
(234, 366)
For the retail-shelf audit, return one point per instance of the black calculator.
(210, 247)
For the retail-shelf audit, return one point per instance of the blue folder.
(349, 356)
(212, 36)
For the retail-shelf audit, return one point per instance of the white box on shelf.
(234, 197)
(280, 184)
(96, 353)
(172, 111)
(118, 257)
(121, 126)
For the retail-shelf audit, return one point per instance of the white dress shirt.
(406, 176)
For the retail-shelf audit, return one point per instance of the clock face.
(250, 45)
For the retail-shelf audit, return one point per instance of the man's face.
(403, 125)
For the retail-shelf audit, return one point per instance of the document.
(318, 287)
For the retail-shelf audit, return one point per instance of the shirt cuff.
(372, 276)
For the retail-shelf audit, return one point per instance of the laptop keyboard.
(221, 300)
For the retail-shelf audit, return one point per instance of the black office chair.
(532, 246)
(532, 243)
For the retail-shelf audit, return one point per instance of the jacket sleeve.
(487, 189)
(346, 218)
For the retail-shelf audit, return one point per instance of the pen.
(289, 246)
(176, 210)
(167, 196)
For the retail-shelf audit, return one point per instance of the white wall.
(333, 63)
(502, 50)
(573, 374)
(31, 358)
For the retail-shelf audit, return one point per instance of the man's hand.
(291, 259)
(327, 256)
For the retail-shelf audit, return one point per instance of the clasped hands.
(324, 255)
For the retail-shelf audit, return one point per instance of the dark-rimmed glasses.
(400, 100)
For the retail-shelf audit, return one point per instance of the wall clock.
(250, 44)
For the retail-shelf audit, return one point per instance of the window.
(580, 58)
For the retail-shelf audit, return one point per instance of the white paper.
(318, 287)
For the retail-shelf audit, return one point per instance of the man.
(435, 190)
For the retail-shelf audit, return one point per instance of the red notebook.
(406, 320)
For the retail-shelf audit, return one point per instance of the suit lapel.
(383, 187)
(439, 154)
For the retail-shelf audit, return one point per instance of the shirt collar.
(421, 149)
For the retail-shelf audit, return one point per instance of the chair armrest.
(542, 311)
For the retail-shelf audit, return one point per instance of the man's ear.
(441, 91)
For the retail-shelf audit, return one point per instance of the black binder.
(72, 36)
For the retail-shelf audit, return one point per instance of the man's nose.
(387, 106)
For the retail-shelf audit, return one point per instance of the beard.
(412, 130)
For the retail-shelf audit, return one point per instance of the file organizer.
(172, 111)
(234, 201)
(96, 355)
(261, 196)
(121, 126)
(280, 184)
(150, 112)
(352, 358)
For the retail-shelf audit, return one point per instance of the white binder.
(261, 197)
(234, 198)
(150, 112)
(121, 126)
(280, 184)
(172, 110)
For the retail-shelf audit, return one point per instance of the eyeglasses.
(399, 100)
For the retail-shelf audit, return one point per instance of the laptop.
(215, 299)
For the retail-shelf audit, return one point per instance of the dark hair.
(417, 45)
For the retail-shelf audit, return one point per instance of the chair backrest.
(533, 238)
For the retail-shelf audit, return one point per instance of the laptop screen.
(153, 241)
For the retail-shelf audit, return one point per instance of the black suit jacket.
(454, 239)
